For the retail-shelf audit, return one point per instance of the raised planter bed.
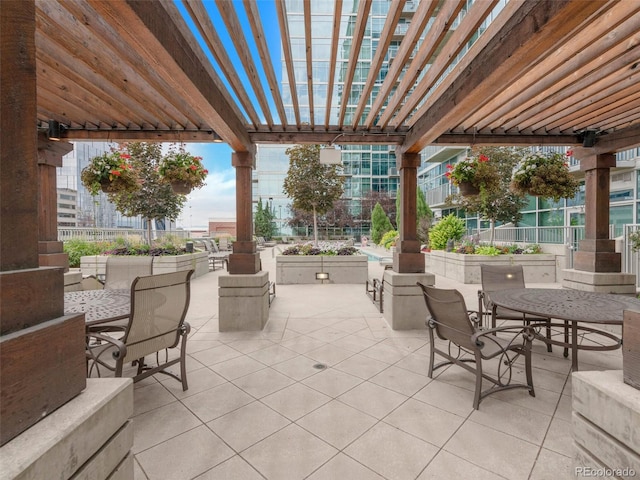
(465, 268)
(297, 269)
(96, 264)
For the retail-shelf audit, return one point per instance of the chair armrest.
(526, 331)
(121, 347)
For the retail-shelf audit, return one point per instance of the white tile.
(332, 382)
(263, 382)
(237, 367)
(559, 438)
(337, 424)
(217, 401)
(291, 454)
(343, 467)
(429, 423)
(234, 468)
(447, 397)
(445, 465)
(400, 380)
(248, 346)
(215, 355)
(361, 366)
(295, 401)
(495, 451)
(149, 397)
(302, 344)
(247, 425)
(361, 398)
(553, 466)
(198, 381)
(298, 368)
(198, 450)
(273, 355)
(329, 355)
(156, 426)
(391, 453)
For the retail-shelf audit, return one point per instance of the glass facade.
(90, 211)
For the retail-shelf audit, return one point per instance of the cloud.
(217, 199)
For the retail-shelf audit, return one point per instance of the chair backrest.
(223, 243)
(122, 270)
(159, 304)
(449, 311)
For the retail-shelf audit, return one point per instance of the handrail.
(109, 234)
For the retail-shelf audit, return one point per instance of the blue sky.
(217, 198)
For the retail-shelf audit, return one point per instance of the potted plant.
(183, 171)
(545, 175)
(470, 174)
(109, 172)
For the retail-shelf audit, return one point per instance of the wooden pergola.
(542, 72)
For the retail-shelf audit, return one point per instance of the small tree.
(424, 216)
(312, 186)
(154, 200)
(386, 201)
(449, 228)
(380, 223)
(264, 225)
(495, 202)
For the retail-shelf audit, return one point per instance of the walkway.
(259, 407)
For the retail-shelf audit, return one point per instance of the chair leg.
(183, 363)
(527, 366)
(549, 346)
(478, 393)
(565, 353)
(432, 354)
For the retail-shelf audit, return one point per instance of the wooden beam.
(203, 23)
(228, 13)
(335, 37)
(583, 53)
(617, 141)
(308, 40)
(281, 9)
(418, 23)
(326, 137)
(364, 6)
(536, 28)
(253, 15)
(505, 139)
(432, 41)
(117, 135)
(395, 11)
(464, 31)
(164, 38)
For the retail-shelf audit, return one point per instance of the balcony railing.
(110, 234)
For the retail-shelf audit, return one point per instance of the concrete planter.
(297, 269)
(96, 264)
(538, 268)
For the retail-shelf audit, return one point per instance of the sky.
(216, 199)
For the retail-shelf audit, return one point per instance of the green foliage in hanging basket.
(183, 168)
(113, 171)
(545, 175)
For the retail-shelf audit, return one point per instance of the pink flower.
(193, 167)
(449, 167)
(115, 172)
(569, 153)
(125, 155)
(483, 158)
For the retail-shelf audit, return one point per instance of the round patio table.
(577, 308)
(99, 306)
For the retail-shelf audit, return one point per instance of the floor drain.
(320, 366)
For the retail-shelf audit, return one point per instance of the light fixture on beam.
(331, 156)
(589, 138)
(216, 138)
(55, 130)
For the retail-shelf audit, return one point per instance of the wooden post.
(408, 258)
(597, 252)
(244, 259)
(50, 155)
(41, 351)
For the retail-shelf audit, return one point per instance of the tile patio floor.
(257, 408)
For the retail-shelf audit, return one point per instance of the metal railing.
(111, 234)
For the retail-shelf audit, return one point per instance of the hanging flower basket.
(110, 173)
(467, 189)
(182, 188)
(183, 171)
(545, 175)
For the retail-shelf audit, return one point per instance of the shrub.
(489, 250)
(77, 248)
(533, 248)
(389, 239)
(380, 223)
(323, 248)
(450, 227)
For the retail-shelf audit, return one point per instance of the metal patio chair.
(159, 304)
(503, 277)
(121, 270)
(451, 322)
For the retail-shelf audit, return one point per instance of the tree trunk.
(149, 231)
(315, 227)
(492, 224)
